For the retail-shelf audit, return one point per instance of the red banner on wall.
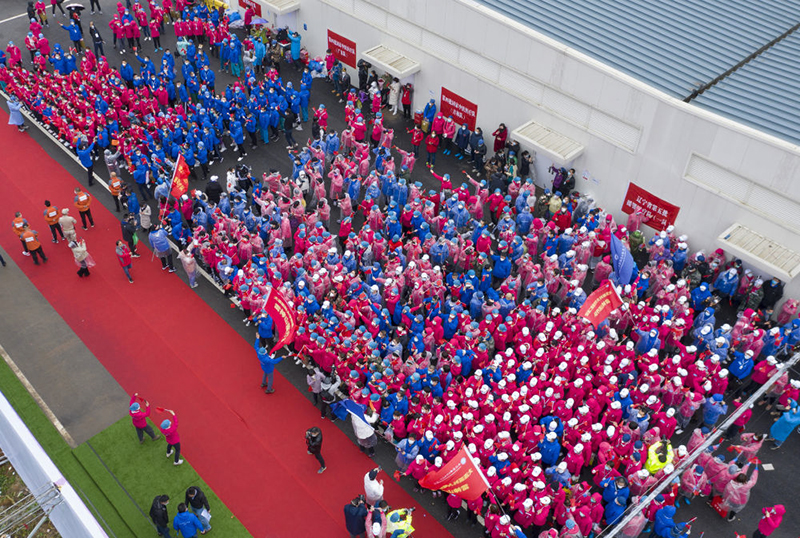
(244, 4)
(463, 111)
(658, 213)
(342, 48)
(600, 304)
(459, 476)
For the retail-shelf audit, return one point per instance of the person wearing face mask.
(407, 451)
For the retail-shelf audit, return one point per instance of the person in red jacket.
(416, 139)
(170, 430)
(139, 411)
(432, 145)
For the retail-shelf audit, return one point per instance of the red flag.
(282, 316)
(600, 303)
(461, 476)
(180, 178)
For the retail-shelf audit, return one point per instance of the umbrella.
(259, 20)
(75, 6)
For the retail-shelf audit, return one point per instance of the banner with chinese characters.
(342, 48)
(463, 111)
(600, 304)
(460, 476)
(658, 213)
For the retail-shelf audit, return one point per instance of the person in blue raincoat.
(713, 408)
(15, 114)
(159, 242)
(783, 427)
(664, 523)
(295, 39)
(727, 283)
(440, 252)
(706, 317)
(647, 341)
(700, 295)
(614, 509)
(429, 112)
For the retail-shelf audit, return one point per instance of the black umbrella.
(76, 7)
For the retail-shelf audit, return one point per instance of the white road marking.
(14, 17)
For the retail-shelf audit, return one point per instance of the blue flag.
(622, 260)
(349, 407)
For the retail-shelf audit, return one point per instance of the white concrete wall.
(631, 132)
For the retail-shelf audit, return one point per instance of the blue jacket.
(265, 326)
(295, 48)
(85, 155)
(267, 363)
(550, 451)
(664, 522)
(187, 524)
(502, 267)
(787, 423)
(159, 240)
(74, 31)
(712, 410)
(740, 366)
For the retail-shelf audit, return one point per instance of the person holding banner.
(268, 363)
(160, 244)
(365, 431)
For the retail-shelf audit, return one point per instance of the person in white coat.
(365, 431)
(394, 95)
(373, 488)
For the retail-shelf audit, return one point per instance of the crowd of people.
(450, 314)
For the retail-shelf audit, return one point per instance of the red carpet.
(159, 338)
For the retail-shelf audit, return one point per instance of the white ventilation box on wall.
(391, 61)
(561, 148)
(757, 250)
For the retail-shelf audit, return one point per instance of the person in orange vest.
(115, 186)
(18, 225)
(31, 240)
(82, 202)
(51, 215)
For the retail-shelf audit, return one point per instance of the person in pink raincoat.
(737, 492)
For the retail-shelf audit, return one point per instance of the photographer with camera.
(355, 517)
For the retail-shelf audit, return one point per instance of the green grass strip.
(144, 471)
(115, 476)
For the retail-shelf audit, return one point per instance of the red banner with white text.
(244, 4)
(342, 48)
(600, 304)
(282, 316)
(658, 213)
(463, 111)
(460, 476)
(180, 178)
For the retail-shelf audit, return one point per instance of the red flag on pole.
(180, 178)
(282, 316)
(461, 476)
(600, 303)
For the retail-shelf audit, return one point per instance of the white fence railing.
(37, 470)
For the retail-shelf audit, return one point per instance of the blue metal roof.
(764, 93)
(674, 46)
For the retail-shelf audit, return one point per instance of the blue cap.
(166, 424)
(135, 407)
